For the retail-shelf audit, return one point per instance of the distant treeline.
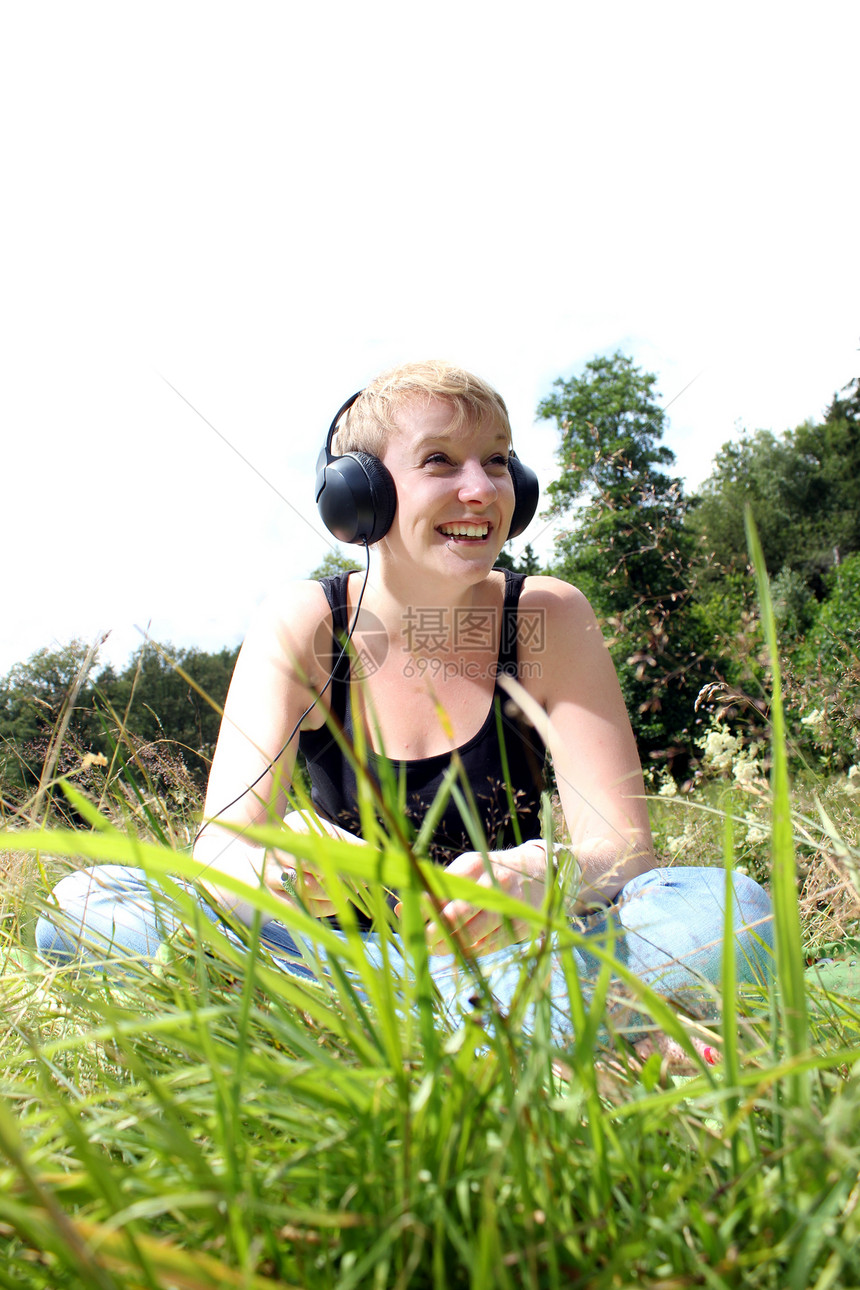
(165, 704)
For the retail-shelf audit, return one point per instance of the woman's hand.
(286, 876)
(292, 878)
(297, 882)
(255, 868)
(521, 871)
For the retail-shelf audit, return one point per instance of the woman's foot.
(676, 1058)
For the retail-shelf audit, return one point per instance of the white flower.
(746, 772)
(815, 720)
(719, 747)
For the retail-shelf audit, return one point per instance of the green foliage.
(628, 548)
(170, 698)
(34, 694)
(668, 576)
(172, 694)
(835, 631)
(803, 488)
(335, 562)
(39, 702)
(528, 562)
(765, 473)
(794, 605)
(824, 673)
(610, 424)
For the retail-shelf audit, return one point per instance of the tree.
(170, 699)
(847, 409)
(786, 493)
(528, 563)
(334, 562)
(627, 547)
(610, 424)
(823, 675)
(833, 449)
(33, 700)
(169, 719)
(33, 694)
(803, 488)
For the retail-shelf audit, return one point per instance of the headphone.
(357, 498)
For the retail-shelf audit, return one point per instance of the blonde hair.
(372, 417)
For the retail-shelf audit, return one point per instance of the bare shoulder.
(294, 604)
(562, 604)
(559, 640)
(288, 627)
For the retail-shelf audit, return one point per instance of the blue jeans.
(666, 927)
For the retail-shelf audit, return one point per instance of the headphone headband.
(337, 416)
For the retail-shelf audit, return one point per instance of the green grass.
(213, 1121)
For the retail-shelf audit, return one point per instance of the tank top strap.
(508, 639)
(334, 587)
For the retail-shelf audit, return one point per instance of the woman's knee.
(704, 888)
(683, 909)
(103, 910)
(753, 928)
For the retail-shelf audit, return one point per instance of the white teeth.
(465, 530)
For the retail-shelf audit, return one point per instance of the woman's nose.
(476, 484)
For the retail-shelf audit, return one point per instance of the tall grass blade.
(789, 941)
(728, 987)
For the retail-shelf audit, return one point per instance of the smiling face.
(455, 495)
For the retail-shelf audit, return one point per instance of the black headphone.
(357, 498)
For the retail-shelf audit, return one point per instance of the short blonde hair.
(371, 419)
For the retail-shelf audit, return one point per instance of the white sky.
(267, 204)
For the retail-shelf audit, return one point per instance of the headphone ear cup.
(526, 495)
(357, 498)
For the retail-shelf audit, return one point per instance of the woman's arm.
(571, 675)
(273, 683)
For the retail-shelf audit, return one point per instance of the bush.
(823, 676)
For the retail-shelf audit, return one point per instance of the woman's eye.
(497, 462)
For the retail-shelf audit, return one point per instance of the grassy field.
(213, 1122)
(210, 1121)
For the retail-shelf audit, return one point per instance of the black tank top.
(506, 805)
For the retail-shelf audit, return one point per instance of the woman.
(424, 474)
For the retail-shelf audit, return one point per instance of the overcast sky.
(261, 206)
